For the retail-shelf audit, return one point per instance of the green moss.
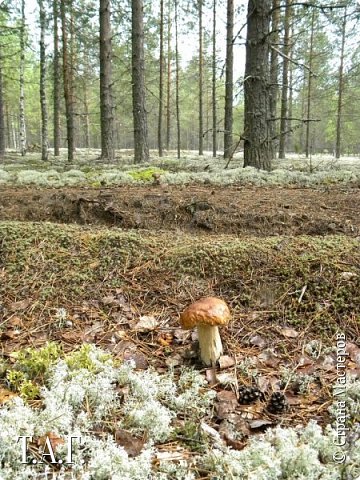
(145, 175)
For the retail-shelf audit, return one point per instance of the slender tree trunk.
(229, 85)
(168, 90)
(56, 81)
(257, 140)
(106, 99)
(201, 78)
(8, 142)
(309, 92)
(274, 72)
(22, 82)
(43, 103)
(289, 136)
(285, 80)
(214, 116)
(138, 84)
(87, 124)
(2, 119)
(161, 79)
(177, 102)
(68, 87)
(340, 87)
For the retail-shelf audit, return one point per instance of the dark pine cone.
(277, 403)
(249, 395)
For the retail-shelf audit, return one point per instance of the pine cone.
(277, 403)
(249, 395)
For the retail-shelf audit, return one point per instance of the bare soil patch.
(237, 210)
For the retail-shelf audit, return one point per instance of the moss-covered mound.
(304, 281)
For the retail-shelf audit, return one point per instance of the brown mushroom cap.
(210, 311)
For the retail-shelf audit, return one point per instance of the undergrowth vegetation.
(296, 170)
(87, 394)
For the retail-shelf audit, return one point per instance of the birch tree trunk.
(22, 125)
(44, 114)
(106, 99)
(56, 80)
(257, 139)
(141, 148)
(229, 86)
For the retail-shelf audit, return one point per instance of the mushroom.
(207, 314)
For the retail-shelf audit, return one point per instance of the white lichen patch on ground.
(190, 168)
(81, 401)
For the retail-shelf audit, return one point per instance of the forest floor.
(242, 210)
(114, 266)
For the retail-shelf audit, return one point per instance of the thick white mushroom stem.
(210, 344)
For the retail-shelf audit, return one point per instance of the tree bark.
(229, 85)
(168, 90)
(161, 79)
(56, 81)
(274, 71)
(106, 99)
(177, 101)
(285, 81)
(340, 87)
(309, 92)
(141, 148)
(22, 124)
(257, 139)
(43, 102)
(214, 112)
(68, 86)
(2, 119)
(201, 78)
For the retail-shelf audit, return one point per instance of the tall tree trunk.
(67, 80)
(274, 71)
(106, 99)
(257, 140)
(56, 81)
(161, 79)
(309, 92)
(8, 142)
(168, 88)
(201, 78)
(2, 119)
(141, 148)
(285, 80)
(289, 136)
(44, 114)
(86, 115)
(229, 85)
(22, 124)
(177, 102)
(214, 119)
(340, 87)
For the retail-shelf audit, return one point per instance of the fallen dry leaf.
(258, 341)
(146, 324)
(226, 402)
(289, 332)
(20, 305)
(225, 361)
(132, 445)
(6, 395)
